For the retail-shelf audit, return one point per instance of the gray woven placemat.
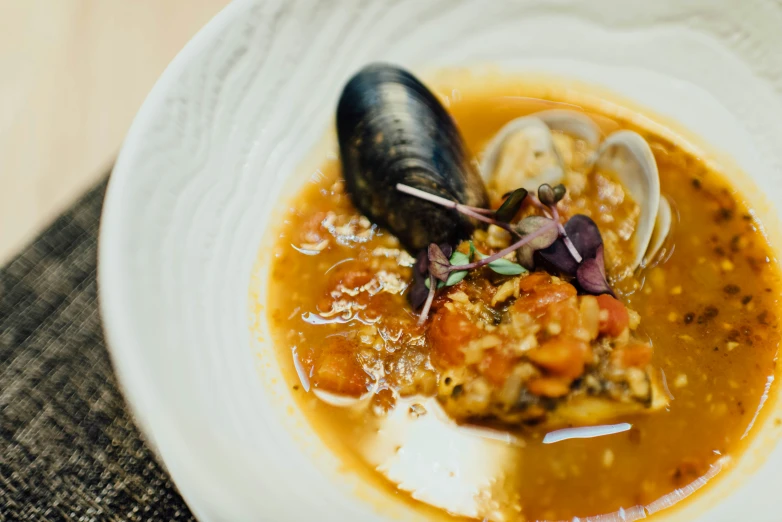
(68, 448)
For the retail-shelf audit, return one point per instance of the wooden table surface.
(72, 75)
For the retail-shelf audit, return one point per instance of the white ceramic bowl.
(219, 144)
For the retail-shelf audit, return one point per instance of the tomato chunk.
(616, 320)
(636, 355)
(549, 386)
(530, 282)
(539, 292)
(565, 314)
(337, 370)
(350, 278)
(561, 356)
(448, 333)
(496, 366)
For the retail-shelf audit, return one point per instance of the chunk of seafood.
(548, 356)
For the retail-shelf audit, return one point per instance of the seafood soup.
(508, 308)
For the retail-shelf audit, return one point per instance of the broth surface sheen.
(709, 308)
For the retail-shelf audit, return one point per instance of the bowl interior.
(228, 133)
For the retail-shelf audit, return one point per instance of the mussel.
(392, 129)
(526, 153)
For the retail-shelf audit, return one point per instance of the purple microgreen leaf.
(439, 266)
(417, 294)
(528, 226)
(421, 265)
(447, 249)
(563, 234)
(511, 205)
(584, 235)
(418, 290)
(591, 275)
(558, 258)
(580, 241)
(546, 195)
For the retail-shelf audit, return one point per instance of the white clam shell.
(662, 226)
(626, 154)
(574, 123)
(531, 137)
(537, 160)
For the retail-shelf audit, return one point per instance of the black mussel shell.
(391, 130)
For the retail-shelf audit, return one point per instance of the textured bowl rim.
(157, 428)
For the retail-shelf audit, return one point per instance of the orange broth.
(708, 307)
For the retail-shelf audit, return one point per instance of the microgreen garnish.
(480, 214)
(549, 197)
(506, 267)
(591, 275)
(530, 225)
(511, 206)
(456, 260)
(429, 299)
(439, 265)
(574, 249)
(502, 266)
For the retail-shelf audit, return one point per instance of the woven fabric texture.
(68, 447)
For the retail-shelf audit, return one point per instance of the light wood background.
(72, 75)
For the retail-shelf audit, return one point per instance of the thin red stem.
(469, 212)
(479, 210)
(429, 299)
(473, 212)
(565, 239)
(536, 202)
(570, 246)
(422, 194)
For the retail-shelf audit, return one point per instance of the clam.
(627, 154)
(522, 154)
(391, 129)
(662, 227)
(576, 124)
(526, 153)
